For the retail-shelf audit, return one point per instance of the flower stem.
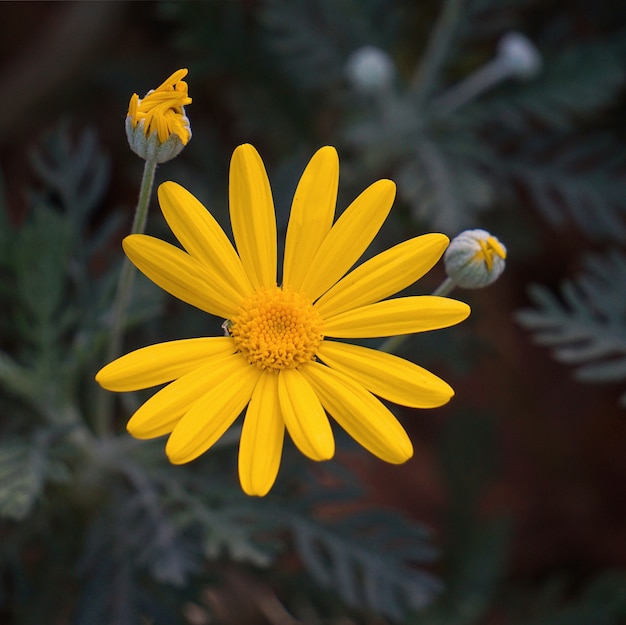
(392, 344)
(427, 73)
(471, 87)
(123, 293)
(445, 288)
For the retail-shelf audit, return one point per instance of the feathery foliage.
(587, 328)
(365, 559)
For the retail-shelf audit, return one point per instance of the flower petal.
(402, 315)
(172, 80)
(213, 413)
(252, 216)
(312, 213)
(199, 233)
(386, 274)
(180, 274)
(156, 364)
(360, 414)
(159, 414)
(262, 435)
(304, 416)
(387, 376)
(349, 238)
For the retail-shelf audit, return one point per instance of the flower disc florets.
(277, 329)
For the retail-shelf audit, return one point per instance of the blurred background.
(507, 115)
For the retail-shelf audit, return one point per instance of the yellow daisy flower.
(279, 361)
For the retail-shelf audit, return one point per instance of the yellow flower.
(279, 360)
(156, 125)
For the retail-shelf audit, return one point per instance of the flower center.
(276, 329)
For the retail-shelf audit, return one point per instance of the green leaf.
(16, 379)
(312, 41)
(77, 171)
(443, 185)
(580, 181)
(368, 560)
(42, 251)
(587, 326)
(577, 80)
(612, 370)
(22, 475)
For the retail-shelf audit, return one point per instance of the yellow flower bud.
(156, 125)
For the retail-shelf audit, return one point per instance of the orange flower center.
(277, 329)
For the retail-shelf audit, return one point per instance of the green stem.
(123, 293)
(473, 86)
(445, 288)
(127, 276)
(424, 79)
(392, 344)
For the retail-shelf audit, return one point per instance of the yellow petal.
(261, 444)
(402, 315)
(349, 238)
(156, 364)
(312, 214)
(252, 216)
(203, 238)
(172, 80)
(360, 414)
(304, 416)
(387, 376)
(159, 414)
(180, 275)
(209, 417)
(386, 274)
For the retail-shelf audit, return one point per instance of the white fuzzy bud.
(520, 55)
(370, 70)
(474, 259)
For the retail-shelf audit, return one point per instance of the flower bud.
(156, 125)
(370, 70)
(520, 55)
(474, 259)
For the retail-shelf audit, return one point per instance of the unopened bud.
(474, 259)
(520, 55)
(370, 70)
(156, 125)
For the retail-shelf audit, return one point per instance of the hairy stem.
(425, 78)
(123, 293)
